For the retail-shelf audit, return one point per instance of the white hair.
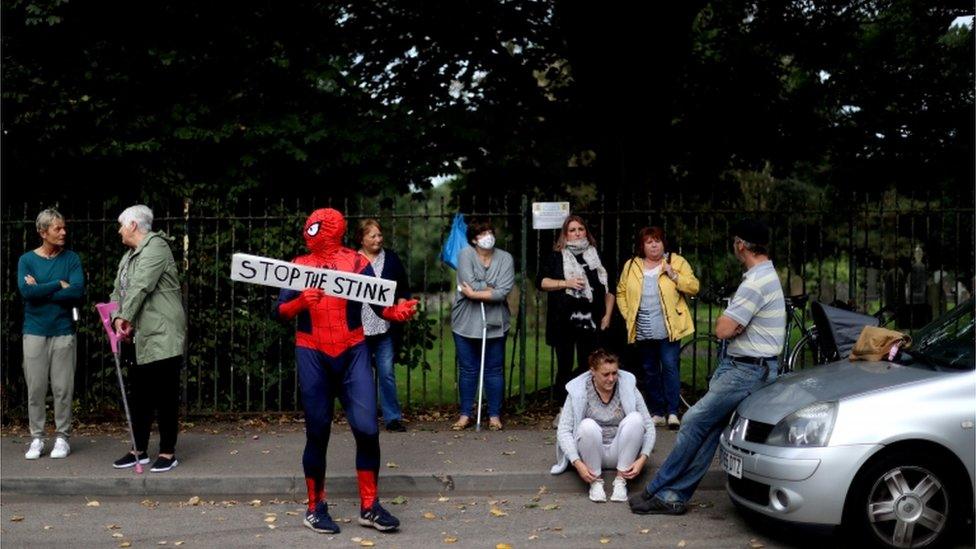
(140, 214)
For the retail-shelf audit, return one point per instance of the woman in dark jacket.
(382, 337)
(580, 301)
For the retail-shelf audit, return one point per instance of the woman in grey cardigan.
(604, 423)
(485, 276)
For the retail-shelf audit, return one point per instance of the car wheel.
(903, 500)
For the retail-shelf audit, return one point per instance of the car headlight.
(810, 426)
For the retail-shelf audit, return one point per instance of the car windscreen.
(949, 340)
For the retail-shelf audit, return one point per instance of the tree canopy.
(206, 99)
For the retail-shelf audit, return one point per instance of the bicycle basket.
(838, 329)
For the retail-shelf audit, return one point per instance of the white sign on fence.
(549, 215)
(283, 274)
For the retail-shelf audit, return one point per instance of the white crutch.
(481, 370)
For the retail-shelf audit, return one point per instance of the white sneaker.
(673, 422)
(658, 420)
(35, 450)
(619, 489)
(61, 448)
(597, 493)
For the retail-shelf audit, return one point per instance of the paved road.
(428, 522)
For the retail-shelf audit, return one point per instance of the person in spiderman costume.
(333, 361)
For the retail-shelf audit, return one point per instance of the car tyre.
(905, 499)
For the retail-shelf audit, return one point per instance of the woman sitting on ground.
(604, 423)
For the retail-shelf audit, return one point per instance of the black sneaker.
(396, 426)
(379, 518)
(320, 521)
(164, 464)
(642, 503)
(129, 460)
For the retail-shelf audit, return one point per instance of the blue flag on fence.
(457, 239)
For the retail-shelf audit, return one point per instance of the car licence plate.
(732, 464)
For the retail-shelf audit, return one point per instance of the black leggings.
(154, 393)
(577, 343)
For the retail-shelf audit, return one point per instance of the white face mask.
(486, 242)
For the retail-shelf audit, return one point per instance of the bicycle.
(805, 353)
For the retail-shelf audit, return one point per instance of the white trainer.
(673, 422)
(35, 450)
(619, 489)
(658, 421)
(597, 493)
(61, 449)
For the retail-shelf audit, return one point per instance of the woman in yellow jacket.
(650, 295)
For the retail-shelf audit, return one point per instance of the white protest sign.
(549, 215)
(283, 274)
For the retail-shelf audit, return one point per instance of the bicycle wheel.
(699, 357)
(805, 353)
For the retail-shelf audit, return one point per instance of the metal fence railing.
(913, 254)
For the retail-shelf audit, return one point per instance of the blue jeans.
(381, 351)
(660, 359)
(702, 425)
(469, 362)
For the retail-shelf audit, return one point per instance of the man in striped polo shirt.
(754, 326)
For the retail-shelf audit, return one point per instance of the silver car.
(884, 449)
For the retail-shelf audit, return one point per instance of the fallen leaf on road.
(92, 503)
(550, 507)
(163, 542)
(442, 499)
(113, 527)
(356, 540)
(399, 500)
(645, 531)
(125, 544)
(16, 518)
(270, 519)
(604, 541)
(754, 544)
(489, 470)
(682, 543)
(195, 500)
(366, 543)
(255, 437)
(48, 527)
(177, 543)
(495, 511)
(234, 452)
(117, 535)
(265, 451)
(149, 503)
(508, 453)
(534, 536)
(502, 546)
(292, 513)
(391, 465)
(254, 503)
(429, 516)
(272, 526)
(450, 539)
(344, 520)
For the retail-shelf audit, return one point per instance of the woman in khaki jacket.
(651, 296)
(152, 322)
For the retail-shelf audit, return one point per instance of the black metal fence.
(912, 254)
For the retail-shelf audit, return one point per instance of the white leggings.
(620, 453)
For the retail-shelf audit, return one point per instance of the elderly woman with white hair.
(152, 322)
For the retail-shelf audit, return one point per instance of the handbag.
(875, 343)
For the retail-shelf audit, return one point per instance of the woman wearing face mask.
(580, 301)
(485, 276)
(651, 298)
